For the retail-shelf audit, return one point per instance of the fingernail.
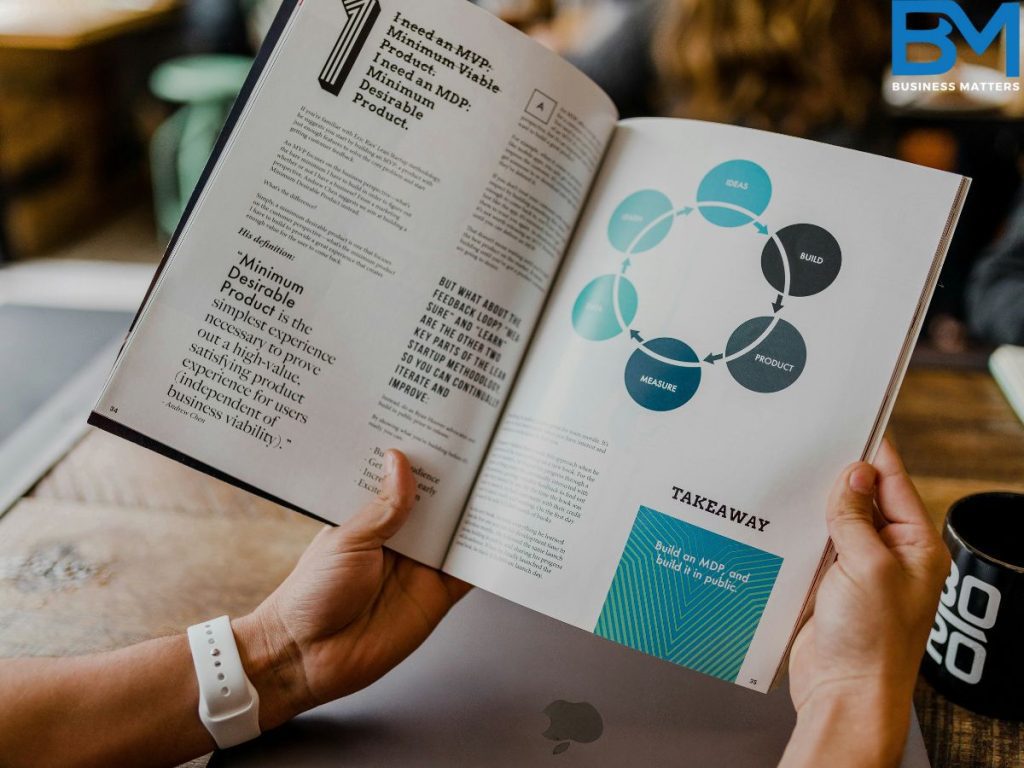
(862, 480)
(389, 463)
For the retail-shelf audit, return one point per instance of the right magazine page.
(722, 340)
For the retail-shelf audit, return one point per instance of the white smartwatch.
(229, 706)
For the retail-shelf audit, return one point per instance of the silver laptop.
(499, 685)
(61, 324)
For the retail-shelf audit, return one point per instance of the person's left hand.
(348, 613)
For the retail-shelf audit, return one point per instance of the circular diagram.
(766, 354)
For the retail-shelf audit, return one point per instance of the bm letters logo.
(1007, 18)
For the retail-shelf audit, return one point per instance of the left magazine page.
(365, 259)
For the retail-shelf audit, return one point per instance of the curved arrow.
(647, 229)
(711, 358)
(634, 335)
(666, 360)
(625, 265)
(786, 277)
(739, 209)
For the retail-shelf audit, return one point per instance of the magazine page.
(720, 344)
(367, 260)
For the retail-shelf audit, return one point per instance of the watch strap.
(228, 702)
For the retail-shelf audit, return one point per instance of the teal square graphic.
(687, 595)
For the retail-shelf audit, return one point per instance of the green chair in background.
(206, 87)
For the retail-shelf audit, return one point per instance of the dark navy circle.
(661, 386)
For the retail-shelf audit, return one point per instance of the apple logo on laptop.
(572, 721)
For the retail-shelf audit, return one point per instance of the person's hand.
(853, 664)
(348, 613)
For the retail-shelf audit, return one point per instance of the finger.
(912, 537)
(897, 497)
(850, 513)
(384, 516)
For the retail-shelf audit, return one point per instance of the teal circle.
(593, 314)
(634, 215)
(736, 182)
(660, 386)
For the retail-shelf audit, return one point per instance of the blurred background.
(109, 108)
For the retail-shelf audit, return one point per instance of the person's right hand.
(349, 612)
(854, 663)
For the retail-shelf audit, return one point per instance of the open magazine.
(626, 359)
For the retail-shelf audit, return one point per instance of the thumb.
(851, 509)
(385, 515)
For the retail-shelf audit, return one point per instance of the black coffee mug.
(975, 652)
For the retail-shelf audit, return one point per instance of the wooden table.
(958, 436)
(100, 553)
(61, 25)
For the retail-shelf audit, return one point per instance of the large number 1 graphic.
(360, 17)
